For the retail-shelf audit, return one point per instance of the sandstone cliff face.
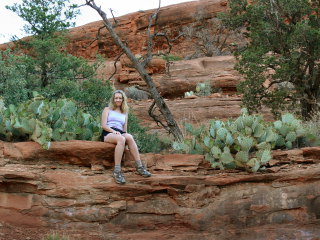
(184, 198)
(132, 27)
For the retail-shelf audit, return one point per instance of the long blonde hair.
(124, 106)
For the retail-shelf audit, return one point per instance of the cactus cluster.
(202, 89)
(289, 130)
(244, 143)
(44, 121)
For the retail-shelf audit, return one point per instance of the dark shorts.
(105, 133)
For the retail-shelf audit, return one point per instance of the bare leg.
(133, 148)
(120, 143)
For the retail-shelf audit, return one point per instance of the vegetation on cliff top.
(281, 60)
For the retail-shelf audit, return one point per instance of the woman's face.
(118, 99)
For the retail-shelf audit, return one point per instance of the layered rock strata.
(184, 198)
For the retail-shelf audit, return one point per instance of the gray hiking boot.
(117, 175)
(143, 172)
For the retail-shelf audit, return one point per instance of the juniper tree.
(47, 21)
(281, 60)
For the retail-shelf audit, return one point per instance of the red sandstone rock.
(181, 195)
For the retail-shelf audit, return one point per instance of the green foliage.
(55, 236)
(47, 61)
(245, 142)
(171, 58)
(13, 86)
(312, 128)
(202, 89)
(47, 68)
(281, 61)
(91, 94)
(44, 121)
(146, 142)
(45, 17)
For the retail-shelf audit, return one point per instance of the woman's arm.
(104, 119)
(126, 124)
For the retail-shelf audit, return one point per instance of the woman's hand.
(116, 132)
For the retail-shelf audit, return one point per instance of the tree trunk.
(173, 126)
(308, 108)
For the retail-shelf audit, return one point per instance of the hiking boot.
(143, 172)
(118, 177)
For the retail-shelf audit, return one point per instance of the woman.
(114, 123)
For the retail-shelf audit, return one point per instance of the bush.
(13, 86)
(203, 89)
(55, 236)
(146, 142)
(313, 130)
(92, 95)
(171, 58)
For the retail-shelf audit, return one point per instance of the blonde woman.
(114, 123)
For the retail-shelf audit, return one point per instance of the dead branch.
(97, 36)
(115, 65)
(114, 19)
(154, 18)
(156, 118)
(158, 99)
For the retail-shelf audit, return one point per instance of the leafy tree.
(281, 61)
(12, 82)
(49, 69)
(48, 60)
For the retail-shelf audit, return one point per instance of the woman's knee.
(121, 140)
(129, 138)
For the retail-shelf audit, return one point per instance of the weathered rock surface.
(133, 28)
(184, 75)
(183, 199)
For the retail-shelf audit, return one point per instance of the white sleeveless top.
(116, 119)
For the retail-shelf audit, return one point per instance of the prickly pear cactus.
(43, 121)
(245, 142)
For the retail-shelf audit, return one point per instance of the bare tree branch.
(156, 118)
(115, 66)
(159, 101)
(114, 19)
(97, 36)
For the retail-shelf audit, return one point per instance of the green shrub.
(313, 130)
(171, 58)
(203, 89)
(55, 236)
(13, 86)
(93, 95)
(244, 143)
(146, 142)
